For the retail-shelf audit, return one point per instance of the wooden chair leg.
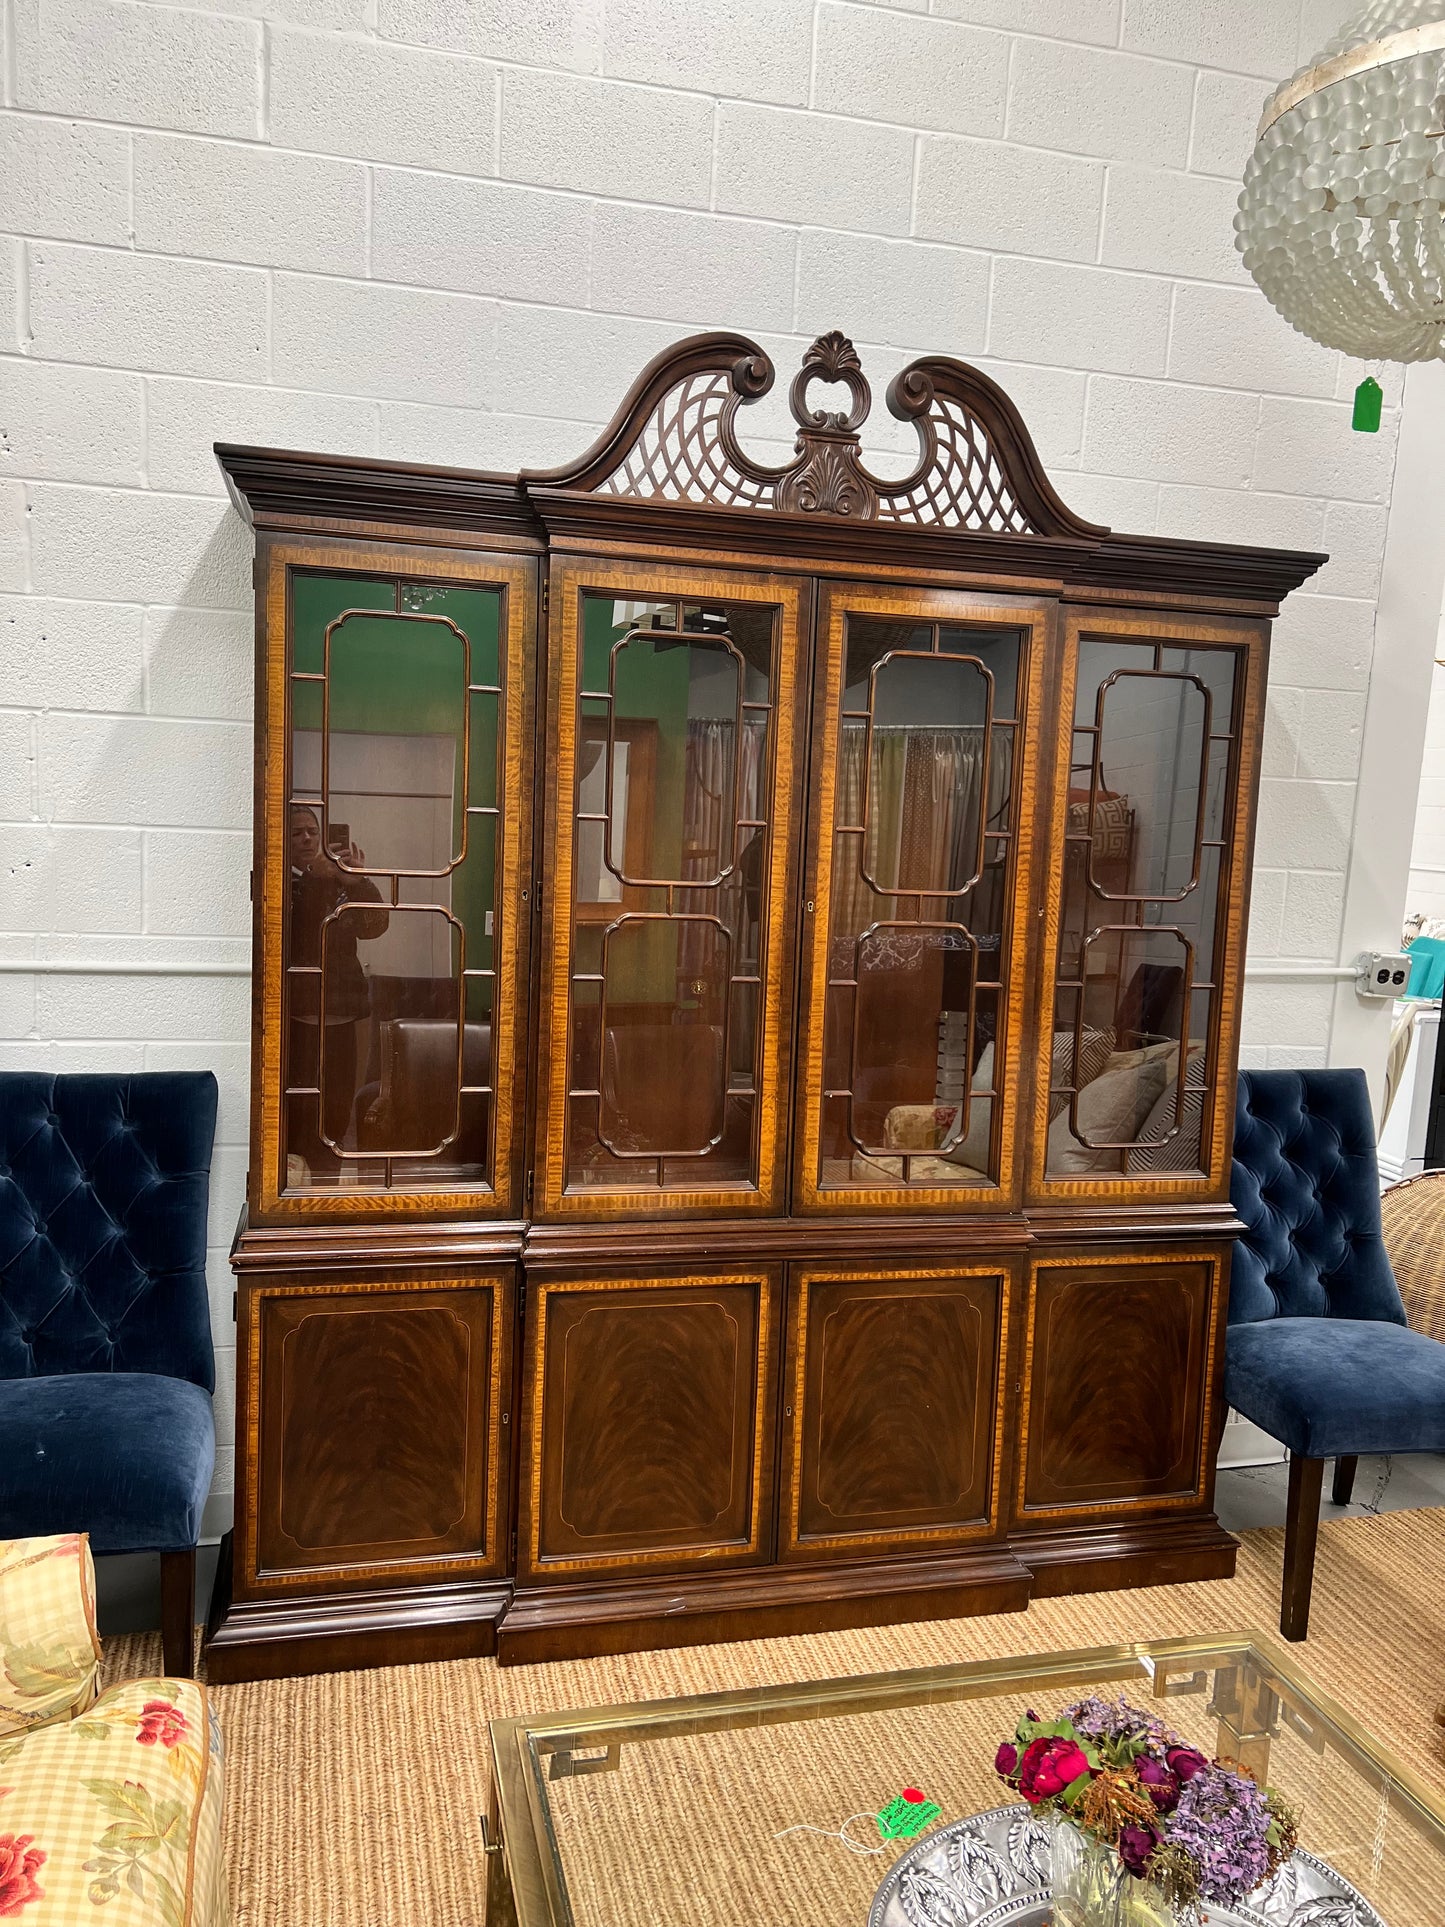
(178, 1613)
(1302, 1524)
(1344, 1480)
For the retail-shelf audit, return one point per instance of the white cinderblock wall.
(452, 231)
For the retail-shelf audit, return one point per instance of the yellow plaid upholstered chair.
(110, 1803)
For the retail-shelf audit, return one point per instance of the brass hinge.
(546, 596)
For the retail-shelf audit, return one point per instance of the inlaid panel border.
(802, 1278)
(638, 580)
(766, 1279)
(837, 601)
(1164, 1261)
(515, 578)
(1250, 641)
(492, 1556)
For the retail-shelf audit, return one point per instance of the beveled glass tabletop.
(686, 1812)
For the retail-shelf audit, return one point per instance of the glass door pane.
(1153, 763)
(672, 830)
(917, 865)
(391, 907)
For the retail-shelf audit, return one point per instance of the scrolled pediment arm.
(920, 392)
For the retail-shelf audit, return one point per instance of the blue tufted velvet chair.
(1318, 1351)
(106, 1369)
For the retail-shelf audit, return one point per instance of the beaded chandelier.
(1342, 218)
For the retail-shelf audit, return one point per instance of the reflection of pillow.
(1113, 821)
(1111, 1110)
(1122, 1059)
(1094, 1049)
(1179, 1152)
(919, 1127)
(926, 1170)
(972, 1147)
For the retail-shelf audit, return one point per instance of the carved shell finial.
(831, 353)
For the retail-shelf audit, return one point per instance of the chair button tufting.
(39, 1227)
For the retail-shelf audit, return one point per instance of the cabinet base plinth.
(339, 1632)
(577, 1622)
(1109, 1558)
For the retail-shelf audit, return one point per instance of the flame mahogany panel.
(377, 1419)
(893, 1383)
(649, 1422)
(1118, 1376)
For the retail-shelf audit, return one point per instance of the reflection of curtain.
(923, 815)
(713, 840)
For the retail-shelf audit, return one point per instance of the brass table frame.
(525, 1884)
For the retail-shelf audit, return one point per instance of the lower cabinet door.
(649, 1419)
(892, 1416)
(1121, 1367)
(380, 1411)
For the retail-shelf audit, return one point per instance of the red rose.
(1048, 1766)
(163, 1722)
(1006, 1761)
(19, 1864)
(1135, 1846)
(1185, 1762)
(1158, 1782)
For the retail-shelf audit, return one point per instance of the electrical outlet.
(1383, 973)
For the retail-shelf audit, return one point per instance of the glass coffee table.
(685, 1812)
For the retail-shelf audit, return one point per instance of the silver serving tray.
(992, 1870)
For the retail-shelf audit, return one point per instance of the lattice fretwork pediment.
(675, 440)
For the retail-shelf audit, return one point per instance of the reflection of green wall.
(395, 678)
(652, 684)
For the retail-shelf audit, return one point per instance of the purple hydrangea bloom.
(1101, 1720)
(1222, 1819)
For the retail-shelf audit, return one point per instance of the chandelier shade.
(1342, 217)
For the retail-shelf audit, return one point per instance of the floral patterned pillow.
(116, 1815)
(49, 1650)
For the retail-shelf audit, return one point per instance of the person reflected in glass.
(320, 887)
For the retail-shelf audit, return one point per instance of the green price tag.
(1369, 398)
(906, 1815)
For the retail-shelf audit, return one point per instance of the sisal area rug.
(352, 1799)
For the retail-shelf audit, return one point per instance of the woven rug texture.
(353, 1799)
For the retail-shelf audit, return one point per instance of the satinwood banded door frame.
(837, 601)
(1249, 642)
(467, 1318)
(822, 1295)
(1106, 1391)
(514, 578)
(590, 1442)
(571, 580)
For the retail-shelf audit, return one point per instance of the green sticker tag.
(906, 1815)
(1369, 398)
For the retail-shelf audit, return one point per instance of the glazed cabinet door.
(649, 1420)
(923, 825)
(1121, 1368)
(668, 870)
(1156, 766)
(893, 1407)
(379, 1416)
(392, 853)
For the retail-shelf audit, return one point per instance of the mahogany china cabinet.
(746, 1001)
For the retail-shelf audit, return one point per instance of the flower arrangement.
(1201, 1830)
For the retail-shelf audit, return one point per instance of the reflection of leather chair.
(414, 1106)
(663, 1086)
